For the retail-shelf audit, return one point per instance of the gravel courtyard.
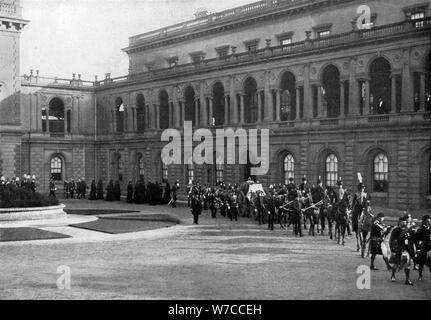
(218, 259)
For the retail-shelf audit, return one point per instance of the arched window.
(380, 173)
(331, 91)
(140, 112)
(56, 168)
(380, 86)
(140, 166)
(288, 96)
(219, 166)
(250, 101)
(288, 168)
(218, 103)
(119, 114)
(286, 106)
(163, 110)
(56, 116)
(331, 170)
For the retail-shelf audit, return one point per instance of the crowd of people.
(403, 246)
(27, 182)
(315, 208)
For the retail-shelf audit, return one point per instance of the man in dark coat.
(110, 191)
(167, 193)
(72, 188)
(100, 190)
(93, 191)
(175, 189)
(196, 204)
(423, 244)
(129, 192)
(117, 191)
(400, 243)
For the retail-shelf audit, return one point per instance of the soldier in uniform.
(196, 204)
(401, 244)
(361, 201)
(175, 189)
(291, 190)
(269, 203)
(52, 188)
(233, 199)
(423, 243)
(33, 183)
(377, 236)
(318, 196)
(72, 188)
(305, 192)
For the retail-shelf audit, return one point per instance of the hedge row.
(14, 197)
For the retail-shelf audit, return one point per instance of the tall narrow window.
(288, 168)
(380, 173)
(165, 172)
(56, 169)
(190, 170)
(140, 112)
(331, 170)
(44, 119)
(219, 170)
(119, 114)
(418, 16)
(68, 121)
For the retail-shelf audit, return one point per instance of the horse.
(341, 218)
(311, 213)
(330, 209)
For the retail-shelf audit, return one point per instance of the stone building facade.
(339, 94)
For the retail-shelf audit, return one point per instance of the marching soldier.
(269, 203)
(318, 196)
(196, 204)
(52, 188)
(377, 236)
(423, 242)
(175, 189)
(292, 193)
(233, 205)
(401, 245)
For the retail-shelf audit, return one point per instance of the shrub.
(13, 197)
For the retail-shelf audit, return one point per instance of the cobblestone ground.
(218, 259)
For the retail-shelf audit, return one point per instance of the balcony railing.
(234, 13)
(353, 37)
(61, 82)
(7, 8)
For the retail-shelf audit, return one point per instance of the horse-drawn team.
(315, 208)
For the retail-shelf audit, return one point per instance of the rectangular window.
(285, 42)
(252, 45)
(324, 34)
(418, 16)
(222, 52)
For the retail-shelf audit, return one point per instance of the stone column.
(320, 111)
(183, 113)
(268, 106)
(157, 107)
(308, 100)
(298, 96)
(241, 96)
(393, 94)
(197, 112)
(259, 106)
(367, 97)
(203, 106)
(422, 92)
(407, 92)
(171, 114)
(277, 105)
(353, 90)
(226, 109)
(211, 114)
(342, 103)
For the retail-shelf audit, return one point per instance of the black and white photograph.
(205, 151)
